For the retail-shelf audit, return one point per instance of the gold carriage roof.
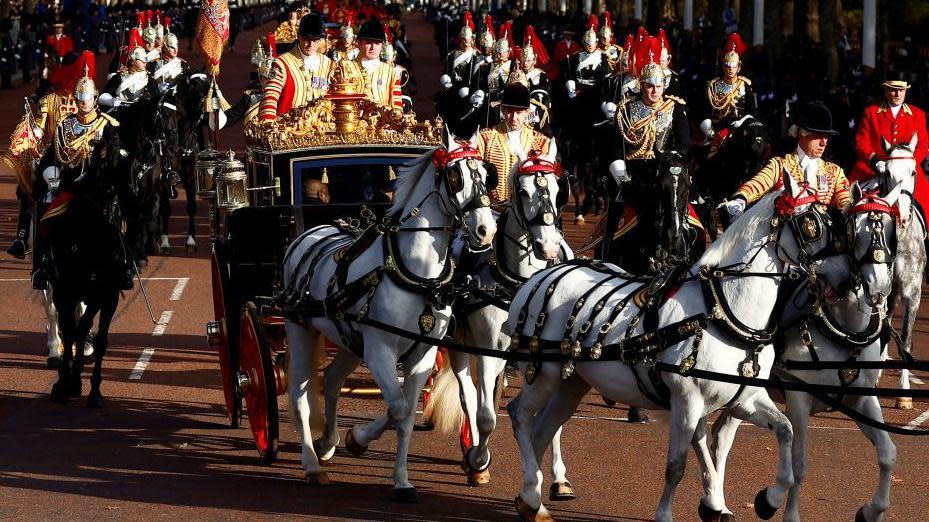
(343, 117)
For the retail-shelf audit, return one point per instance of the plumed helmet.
(652, 74)
(487, 36)
(85, 89)
(467, 27)
(263, 55)
(504, 43)
(138, 53)
(171, 41)
(606, 31)
(149, 35)
(734, 49)
(388, 52)
(590, 35)
(311, 27)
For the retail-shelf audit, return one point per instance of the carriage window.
(357, 183)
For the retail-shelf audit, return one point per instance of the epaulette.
(675, 99)
(746, 80)
(109, 119)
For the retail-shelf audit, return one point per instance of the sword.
(148, 304)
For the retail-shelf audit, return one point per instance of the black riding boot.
(20, 246)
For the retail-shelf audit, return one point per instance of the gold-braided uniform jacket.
(831, 187)
(25, 146)
(495, 147)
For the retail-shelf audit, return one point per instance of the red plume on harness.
(537, 163)
(442, 157)
(871, 202)
(786, 205)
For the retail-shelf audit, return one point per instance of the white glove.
(464, 92)
(37, 132)
(220, 118)
(571, 86)
(445, 81)
(738, 123)
(735, 207)
(609, 109)
(477, 99)
(881, 166)
(108, 100)
(707, 127)
(618, 171)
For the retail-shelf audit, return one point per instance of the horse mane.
(747, 229)
(408, 176)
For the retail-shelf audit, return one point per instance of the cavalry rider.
(892, 121)
(729, 97)
(83, 153)
(345, 48)
(498, 73)
(463, 65)
(170, 72)
(534, 54)
(300, 75)
(131, 84)
(150, 44)
(487, 39)
(510, 142)
(382, 85)
(32, 137)
(813, 126)
(644, 128)
(607, 44)
(581, 78)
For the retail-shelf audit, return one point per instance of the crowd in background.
(798, 72)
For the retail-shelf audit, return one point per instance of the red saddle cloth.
(54, 215)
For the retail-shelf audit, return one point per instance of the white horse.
(836, 329)
(53, 341)
(527, 241)
(899, 183)
(394, 279)
(742, 270)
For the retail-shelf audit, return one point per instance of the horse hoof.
(859, 516)
(478, 478)
(95, 400)
(52, 362)
(405, 495)
(707, 514)
(324, 456)
(352, 445)
(637, 415)
(59, 394)
(579, 220)
(561, 491)
(527, 514)
(904, 403)
(763, 509)
(320, 479)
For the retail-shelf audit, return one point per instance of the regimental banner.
(212, 32)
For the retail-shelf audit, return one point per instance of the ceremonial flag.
(212, 32)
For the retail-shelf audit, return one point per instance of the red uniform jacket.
(58, 47)
(878, 124)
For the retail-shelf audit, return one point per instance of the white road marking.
(141, 364)
(162, 323)
(915, 423)
(179, 288)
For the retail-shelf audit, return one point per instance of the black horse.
(88, 262)
(651, 230)
(742, 154)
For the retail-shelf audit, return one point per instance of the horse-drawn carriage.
(333, 159)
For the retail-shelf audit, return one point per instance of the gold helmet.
(647, 53)
(734, 49)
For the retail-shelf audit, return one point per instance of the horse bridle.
(808, 227)
(539, 168)
(448, 172)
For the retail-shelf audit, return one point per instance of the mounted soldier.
(729, 97)
(581, 78)
(532, 56)
(498, 72)
(300, 75)
(607, 42)
(813, 128)
(132, 83)
(171, 73)
(463, 65)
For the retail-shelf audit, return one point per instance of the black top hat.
(815, 117)
(372, 30)
(311, 26)
(515, 95)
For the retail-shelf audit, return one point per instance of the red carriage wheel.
(257, 383)
(218, 335)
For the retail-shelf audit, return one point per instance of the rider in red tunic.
(893, 121)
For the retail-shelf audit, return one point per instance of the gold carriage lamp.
(231, 184)
(205, 169)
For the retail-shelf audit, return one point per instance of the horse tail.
(444, 407)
